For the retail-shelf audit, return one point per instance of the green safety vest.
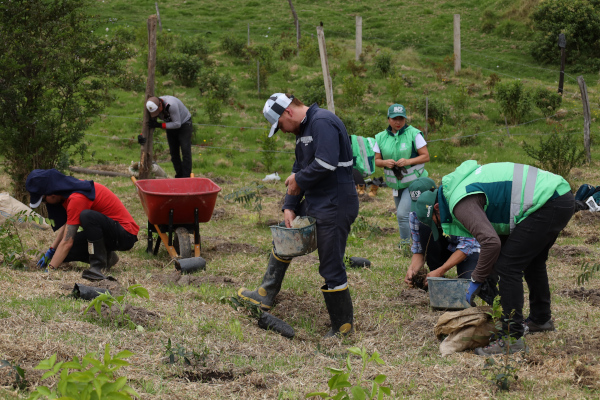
(513, 192)
(363, 155)
(395, 147)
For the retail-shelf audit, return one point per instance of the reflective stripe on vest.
(517, 189)
(331, 167)
(363, 153)
(412, 174)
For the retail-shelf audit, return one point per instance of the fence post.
(456, 43)
(297, 24)
(506, 124)
(358, 37)
(158, 16)
(562, 43)
(248, 34)
(325, 67)
(426, 114)
(147, 148)
(586, 118)
(258, 75)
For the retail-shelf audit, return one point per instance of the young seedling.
(109, 300)
(11, 244)
(339, 384)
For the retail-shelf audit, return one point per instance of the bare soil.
(592, 296)
(419, 279)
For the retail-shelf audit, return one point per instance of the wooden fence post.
(147, 148)
(325, 67)
(456, 43)
(562, 43)
(248, 34)
(158, 16)
(586, 118)
(358, 37)
(506, 124)
(297, 24)
(258, 75)
(426, 114)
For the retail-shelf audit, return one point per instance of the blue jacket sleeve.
(292, 202)
(327, 154)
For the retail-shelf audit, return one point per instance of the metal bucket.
(293, 242)
(448, 294)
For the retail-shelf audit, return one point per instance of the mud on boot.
(341, 311)
(264, 295)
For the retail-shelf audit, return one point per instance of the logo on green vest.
(402, 146)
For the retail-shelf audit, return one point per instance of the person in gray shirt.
(177, 120)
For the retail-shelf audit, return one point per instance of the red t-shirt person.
(106, 203)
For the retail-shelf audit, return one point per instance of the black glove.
(154, 124)
(489, 289)
(399, 172)
(141, 140)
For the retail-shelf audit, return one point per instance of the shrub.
(558, 153)
(314, 91)
(309, 51)
(287, 51)
(264, 54)
(131, 82)
(354, 90)
(235, 47)
(460, 98)
(547, 101)
(219, 85)
(212, 105)
(579, 20)
(356, 68)
(514, 101)
(363, 126)
(185, 68)
(193, 46)
(384, 62)
(492, 81)
(269, 147)
(394, 88)
(436, 114)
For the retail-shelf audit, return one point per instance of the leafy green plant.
(314, 91)
(460, 98)
(340, 387)
(14, 254)
(437, 112)
(394, 86)
(249, 196)
(269, 146)
(356, 68)
(217, 85)
(492, 81)
(547, 101)
(188, 357)
(20, 381)
(354, 90)
(557, 153)
(360, 224)
(185, 68)
(384, 62)
(588, 272)
(212, 106)
(88, 379)
(579, 20)
(309, 51)
(264, 54)
(501, 372)
(193, 46)
(233, 46)
(109, 300)
(514, 100)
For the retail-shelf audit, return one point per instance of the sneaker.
(531, 327)
(500, 347)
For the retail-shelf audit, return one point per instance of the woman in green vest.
(402, 152)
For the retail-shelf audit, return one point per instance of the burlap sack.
(10, 206)
(466, 329)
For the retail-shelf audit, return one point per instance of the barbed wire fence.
(243, 28)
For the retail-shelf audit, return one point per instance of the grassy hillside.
(231, 357)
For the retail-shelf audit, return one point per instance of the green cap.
(396, 110)
(425, 211)
(418, 187)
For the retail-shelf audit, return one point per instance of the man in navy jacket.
(320, 186)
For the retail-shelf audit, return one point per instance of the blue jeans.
(403, 203)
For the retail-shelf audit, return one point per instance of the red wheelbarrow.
(175, 208)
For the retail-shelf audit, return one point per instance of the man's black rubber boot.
(265, 294)
(341, 312)
(98, 262)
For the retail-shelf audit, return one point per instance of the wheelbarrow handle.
(133, 179)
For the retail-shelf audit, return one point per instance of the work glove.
(489, 289)
(474, 288)
(141, 140)
(45, 260)
(154, 124)
(399, 172)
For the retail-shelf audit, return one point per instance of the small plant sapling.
(249, 196)
(90, 378)
(188, 357)
(11, 245)
(588, 272)
(20, 381)
(503, 372)
(108, 299)
(340, 387)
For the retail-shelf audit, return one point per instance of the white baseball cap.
(274, 108)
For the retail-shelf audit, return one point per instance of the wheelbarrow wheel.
(182, 244)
